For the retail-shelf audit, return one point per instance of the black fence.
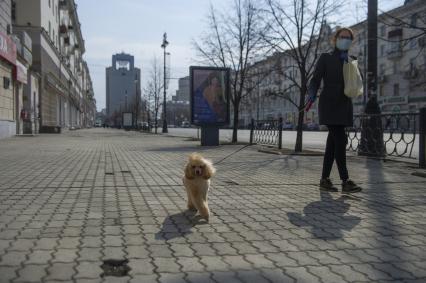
(376, 135)
(267, 132)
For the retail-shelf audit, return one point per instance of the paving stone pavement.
(70, 201)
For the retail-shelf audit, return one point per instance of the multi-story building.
(178, 108)
(401, 70)
(7, 64)
(66, 93)
(123, 82)
(182, 93)
(401, 58)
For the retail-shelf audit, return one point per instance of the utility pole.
(164, 45)
(372, 132)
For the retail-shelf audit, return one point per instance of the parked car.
(312, 127)
(288, 126)
(185, 124)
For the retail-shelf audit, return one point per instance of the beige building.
(66, 93)
(401, 70)
(7, 65)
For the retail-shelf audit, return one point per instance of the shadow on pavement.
(178, 225)
(326, 217)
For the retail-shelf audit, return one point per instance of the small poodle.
(196, 180)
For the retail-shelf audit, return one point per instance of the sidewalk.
(68, 202)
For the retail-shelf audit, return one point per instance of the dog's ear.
(189, 174)
(209, 170)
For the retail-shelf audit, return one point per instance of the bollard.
(280, 133)
(251, 131)
(422, 138)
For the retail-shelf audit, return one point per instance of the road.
(311, 139)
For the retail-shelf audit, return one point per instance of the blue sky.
(137, 27)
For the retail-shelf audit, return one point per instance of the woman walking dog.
(335, 109)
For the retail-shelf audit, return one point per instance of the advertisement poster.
(209, 96)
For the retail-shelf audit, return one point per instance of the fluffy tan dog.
(196, 180)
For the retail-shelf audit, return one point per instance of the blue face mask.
(343, 44)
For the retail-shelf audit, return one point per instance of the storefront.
(7, 96)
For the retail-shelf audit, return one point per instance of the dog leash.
(232, 153)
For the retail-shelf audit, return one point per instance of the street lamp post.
(136, 104)
(164, 45)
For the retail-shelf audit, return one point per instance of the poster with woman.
(209, 95)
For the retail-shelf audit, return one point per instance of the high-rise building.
(123, 82)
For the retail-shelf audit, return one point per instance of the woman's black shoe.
(327, 186)
(349, 187)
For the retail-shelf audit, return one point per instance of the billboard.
(209, 95)
(127, 119)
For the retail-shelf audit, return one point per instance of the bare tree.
(153, 90)
(233, 40)
(296, 28)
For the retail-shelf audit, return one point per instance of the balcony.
(411, 73)
(63, 29)
(382, 78)
(63, 4)
(67, 41)
(395, 53)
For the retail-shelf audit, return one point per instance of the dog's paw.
(191, 207)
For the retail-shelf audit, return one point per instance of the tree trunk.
(235, 127)
(299, 137)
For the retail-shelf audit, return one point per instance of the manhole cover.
(115, 267)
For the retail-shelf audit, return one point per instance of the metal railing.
(266, 132)
(372, 134)
(384, 134)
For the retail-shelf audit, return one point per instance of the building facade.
(123, 82)
(8, 107)
(401, 70)
(66, 98)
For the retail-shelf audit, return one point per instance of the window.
(413, 21)
(395, 67)
(383, 30)
(396, 90)
(381, 90)
(50, 28)
(382, 50)
(382, 69)
(413, 42)
(49, 4)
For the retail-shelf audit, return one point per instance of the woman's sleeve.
(317, 76)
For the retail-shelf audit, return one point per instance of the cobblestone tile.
(65, 255)
(226, 276)
(8, 273)
(237, 262)
(141, 266)
(172, 278)
(301, 274)
(39, 257)
(61, 271)
(276, 276)
(13, 258)
(168, 265)
(214, 263)
(144, 278)
(88, 270)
